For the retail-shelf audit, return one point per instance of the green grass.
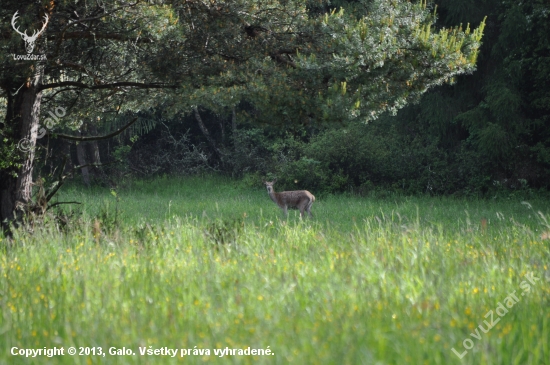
(368, 281)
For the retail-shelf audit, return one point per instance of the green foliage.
(505, 126)
(373, 155)
(486, 134)
(9, 155)
(330, 66)
(386, 154)
(292, 62)
(121, 153)
(251, 152)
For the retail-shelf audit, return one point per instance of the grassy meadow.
(207, 263)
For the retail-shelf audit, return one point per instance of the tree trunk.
(234, 129)
(93, 153)
(209, 138)
(82, 161)
(21, 129)
(7, 202)
(222, 129)
(66, 148)
(95, 160)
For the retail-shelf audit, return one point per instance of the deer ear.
(274, 180)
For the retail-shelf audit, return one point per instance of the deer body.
(296, 199)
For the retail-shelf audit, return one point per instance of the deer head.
(269, 185)
(29, 40)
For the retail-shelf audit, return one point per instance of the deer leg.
(309, 209)
(301, 207)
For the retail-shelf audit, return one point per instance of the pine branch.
(95, 138)
(106, 86)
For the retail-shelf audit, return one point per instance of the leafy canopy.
(292, 60)
(351, 63)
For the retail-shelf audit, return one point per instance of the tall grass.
(368, 281)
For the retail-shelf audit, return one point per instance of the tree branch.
(59, 203)
(92, 35)
(94, 165)
(106, 86)
(95, 138)
(278, 56)
(63, 34)
(60, 181)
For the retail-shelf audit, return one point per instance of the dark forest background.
(488, 133)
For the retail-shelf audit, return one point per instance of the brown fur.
(296, 199)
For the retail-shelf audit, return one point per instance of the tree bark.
(20, 128)
(95, 158)
(222, 129)
(207, 135)
(82, 161)
(234, 129)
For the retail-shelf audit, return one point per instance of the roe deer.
(297, 199)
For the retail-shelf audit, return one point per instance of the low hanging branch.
(60, 181)
(95, 138)
(93, 165)
(56, 187)
(59, 203)
(82, 85)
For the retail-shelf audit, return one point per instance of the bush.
(171, 154)
(362, 157)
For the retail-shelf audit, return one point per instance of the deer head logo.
(29, 40)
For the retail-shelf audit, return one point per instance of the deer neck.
(274, 196)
